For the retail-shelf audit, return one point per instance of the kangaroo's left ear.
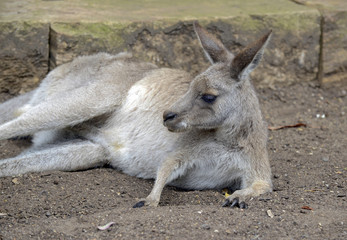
(248, 59)
(214, 49)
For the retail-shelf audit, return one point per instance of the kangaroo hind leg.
(70, 156)
(69, 109)
(11, 108)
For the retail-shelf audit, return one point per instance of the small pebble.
(269, 213)
(15, 181)
(206, 227)
(343, 93)
(44, 192)
(320, 115)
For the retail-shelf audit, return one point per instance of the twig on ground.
(287, 126)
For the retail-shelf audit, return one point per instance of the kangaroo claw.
(243, 205)
(139, 204)
(226, 203)
(235, 203)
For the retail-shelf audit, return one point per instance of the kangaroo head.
(215, 94)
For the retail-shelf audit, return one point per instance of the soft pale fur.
(106, 109)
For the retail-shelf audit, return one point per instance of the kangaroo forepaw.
(139, 204)
(146, 202)
(235, 202)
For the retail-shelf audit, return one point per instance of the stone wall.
(23, 55)
(298, 50)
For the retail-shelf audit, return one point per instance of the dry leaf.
(225, 192)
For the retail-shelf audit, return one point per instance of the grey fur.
(109, 109)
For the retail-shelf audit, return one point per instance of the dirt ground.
(308, 202)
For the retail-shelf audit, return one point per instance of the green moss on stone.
(112, 32)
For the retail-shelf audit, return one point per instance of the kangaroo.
(156, 123)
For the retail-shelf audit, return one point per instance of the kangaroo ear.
(248, 59)
(214, 49)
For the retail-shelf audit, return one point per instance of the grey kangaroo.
(156, 123)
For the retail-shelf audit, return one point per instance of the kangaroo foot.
(146, 202)
(235, 203)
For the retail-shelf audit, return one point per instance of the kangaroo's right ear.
(214, 49)
(248, 59)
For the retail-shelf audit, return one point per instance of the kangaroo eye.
(208, 98)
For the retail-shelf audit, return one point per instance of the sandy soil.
(308, 202)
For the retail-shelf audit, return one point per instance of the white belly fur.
(139, 142)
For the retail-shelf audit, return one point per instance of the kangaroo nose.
(169, 116)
